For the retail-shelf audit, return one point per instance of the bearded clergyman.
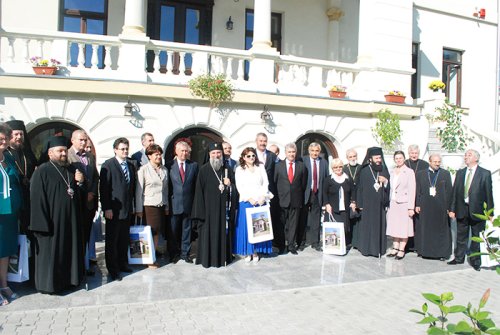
(373, 199)
(57, 199)
(213, 210)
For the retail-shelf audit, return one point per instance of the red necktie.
(290, 173)
(315, 177)
(181, 170)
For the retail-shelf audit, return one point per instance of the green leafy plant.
(453, 136)
(478, 321)
(491, 242)
(387, 130)
(436, 85)
(215, 88)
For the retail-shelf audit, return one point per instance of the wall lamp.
(266, 115)
(229, 24)
(130, 108)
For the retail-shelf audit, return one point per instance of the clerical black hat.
(57, 141)
(215, 146)
(373, 151)
(16, 125)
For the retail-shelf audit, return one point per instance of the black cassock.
(372, 240)
(432, 233)
(56, 223)
(209, 210)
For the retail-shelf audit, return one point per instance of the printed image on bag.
(259, 225)
(18, 269)
(141, 248)
(333, 236)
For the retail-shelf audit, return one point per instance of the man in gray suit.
(317, 172)
(85, 162)
(182, 175)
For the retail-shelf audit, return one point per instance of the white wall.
(30, 14)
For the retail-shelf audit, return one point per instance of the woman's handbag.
(333, 236)
(18, 264)
(259, 224)
(141, 247)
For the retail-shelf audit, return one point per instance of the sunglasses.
(250, 156)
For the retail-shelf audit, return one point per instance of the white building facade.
(280, 55)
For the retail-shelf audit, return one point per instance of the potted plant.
(215, 88)
(337, 91)
(437, 85)
(387, 130)
(395, 97)
(44, 66)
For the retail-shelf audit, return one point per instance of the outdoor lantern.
(130, 108)
(229, 24)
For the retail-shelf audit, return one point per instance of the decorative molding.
(334, 13)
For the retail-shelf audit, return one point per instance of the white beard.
(216, 163)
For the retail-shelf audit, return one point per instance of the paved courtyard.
(306, 294)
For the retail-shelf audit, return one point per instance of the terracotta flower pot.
(397, 99)
(337, 94)
(45, 70)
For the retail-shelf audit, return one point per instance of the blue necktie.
(125, 171)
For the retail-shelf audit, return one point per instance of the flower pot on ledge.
(397, 99)
(45, 70)
(337, 94)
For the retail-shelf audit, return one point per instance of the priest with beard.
(433, 203)
(57, 198)
(353, 169)
(372, 199)
(213, 210)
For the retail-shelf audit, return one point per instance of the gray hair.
(414, 147)
(260, 135)
(291, 145)
(351, 150)
(182, 144)
(435, 155)
(475, 153)
(143, 136)
(315, 145)
(336, 161)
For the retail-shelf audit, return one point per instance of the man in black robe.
(57, 191)
(417, 165)
(213, 209)
(353, 169)
(434, 190)
(373, 199)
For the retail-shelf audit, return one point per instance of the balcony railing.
(102, 57)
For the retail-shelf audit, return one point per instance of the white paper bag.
(141, 247)
(259, 224)
(18, 264)
(333, 236)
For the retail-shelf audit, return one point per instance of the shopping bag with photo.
(259, 224)
(141, 248)
(333, 236)
(18, 264)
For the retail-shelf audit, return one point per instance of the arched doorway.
(199, 137)
(327, 147)
(39, 135)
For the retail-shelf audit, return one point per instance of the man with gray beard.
(213, 210)
(57, 198)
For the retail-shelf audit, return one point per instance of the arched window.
(200, 139)
(327, 147)
(40, 134)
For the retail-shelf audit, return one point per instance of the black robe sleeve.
(40, 217)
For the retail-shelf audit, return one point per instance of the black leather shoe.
(302, 247)
(117, 277)
(455, 262)
(294, 252)
(126, 269)
(187, 259)
(318, 248)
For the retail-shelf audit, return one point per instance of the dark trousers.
(463, 237)
(117, 243)
(179, 236)
(290, 218)
(278, 228)
(313, 220)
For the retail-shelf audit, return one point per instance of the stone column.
(135, 17)
(334, 13)
(262, 24)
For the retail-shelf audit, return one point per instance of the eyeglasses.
(337, 167)
(122, 149)
(250, 156)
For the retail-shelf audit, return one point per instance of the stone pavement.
(309, 293)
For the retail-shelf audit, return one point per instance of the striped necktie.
(125, 171)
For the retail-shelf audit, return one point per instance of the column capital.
(334, 13)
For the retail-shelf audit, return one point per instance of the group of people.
(55, 203)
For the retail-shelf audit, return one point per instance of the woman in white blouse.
(252, 184)
(151, 195)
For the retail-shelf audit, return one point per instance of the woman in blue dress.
(252, 184)
(10, 203)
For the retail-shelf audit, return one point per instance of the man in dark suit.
(182, 177)
(85, 162)
(472, 188)
(140, 156)
(228, 161)
(117, 188)
(268, 158)
(317, 172)
(290, 177)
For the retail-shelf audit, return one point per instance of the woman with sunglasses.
(252, 184)
(337, 194)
